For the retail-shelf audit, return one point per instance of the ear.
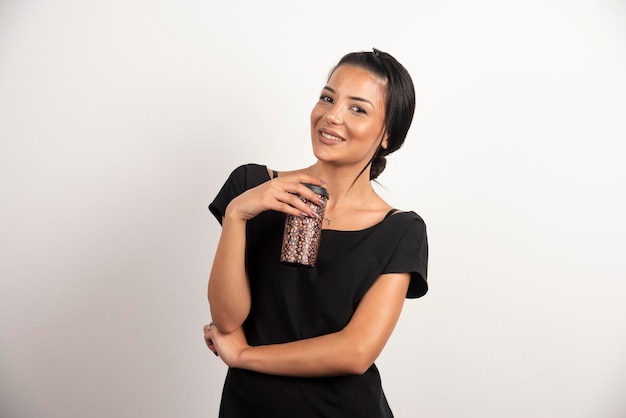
(385, 142)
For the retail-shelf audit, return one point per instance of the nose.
(333, 116)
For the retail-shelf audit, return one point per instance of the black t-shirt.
(291, 303)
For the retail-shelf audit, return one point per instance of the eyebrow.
(357, 98)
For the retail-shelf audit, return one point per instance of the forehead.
(356, 81)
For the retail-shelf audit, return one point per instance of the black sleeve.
(411, 255)
(241, 179)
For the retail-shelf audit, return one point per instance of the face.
(348, 120)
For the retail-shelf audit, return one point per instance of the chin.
(321, 154)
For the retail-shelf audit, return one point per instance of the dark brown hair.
(399, 101)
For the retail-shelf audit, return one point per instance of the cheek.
(367, 133)
(316, 114)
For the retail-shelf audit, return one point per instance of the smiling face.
(348, 120)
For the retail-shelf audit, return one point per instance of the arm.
(349, 351)
(228, 289)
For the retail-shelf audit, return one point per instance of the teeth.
(331, 137)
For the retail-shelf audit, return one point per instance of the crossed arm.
(351, 350)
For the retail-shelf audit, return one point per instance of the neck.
(342, 187)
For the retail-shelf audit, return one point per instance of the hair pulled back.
(399, 100)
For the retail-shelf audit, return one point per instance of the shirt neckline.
(391, 212)
(388, 215)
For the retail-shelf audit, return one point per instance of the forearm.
(349, 351)
(229, 290)
(328, 355)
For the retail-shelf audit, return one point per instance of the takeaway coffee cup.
(303, 234)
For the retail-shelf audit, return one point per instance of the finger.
(311, 195)
(307, 178)
(300, 211)
(207, 333)
(209, 341)
(296, 200)
(212, 347)
(207, 337)
(286, 195)
(293, 195)
(286, 200)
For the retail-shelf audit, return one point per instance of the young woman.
(302, 342)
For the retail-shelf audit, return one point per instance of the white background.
(120, 120)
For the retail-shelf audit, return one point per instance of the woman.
(302, 342)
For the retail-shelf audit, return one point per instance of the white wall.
(119, 121)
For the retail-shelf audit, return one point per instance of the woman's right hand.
(279, 194)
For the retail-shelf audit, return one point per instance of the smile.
(331, 137)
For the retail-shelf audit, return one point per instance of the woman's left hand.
(228, 346)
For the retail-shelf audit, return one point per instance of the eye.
(326, 98)
(358, 109)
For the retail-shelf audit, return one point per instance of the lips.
(329, 137)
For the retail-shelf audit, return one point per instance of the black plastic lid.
(317, 189)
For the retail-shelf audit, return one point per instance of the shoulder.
(406, 218)
(249, 175)
(406, 225)
(249, 169)
(242, 178)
